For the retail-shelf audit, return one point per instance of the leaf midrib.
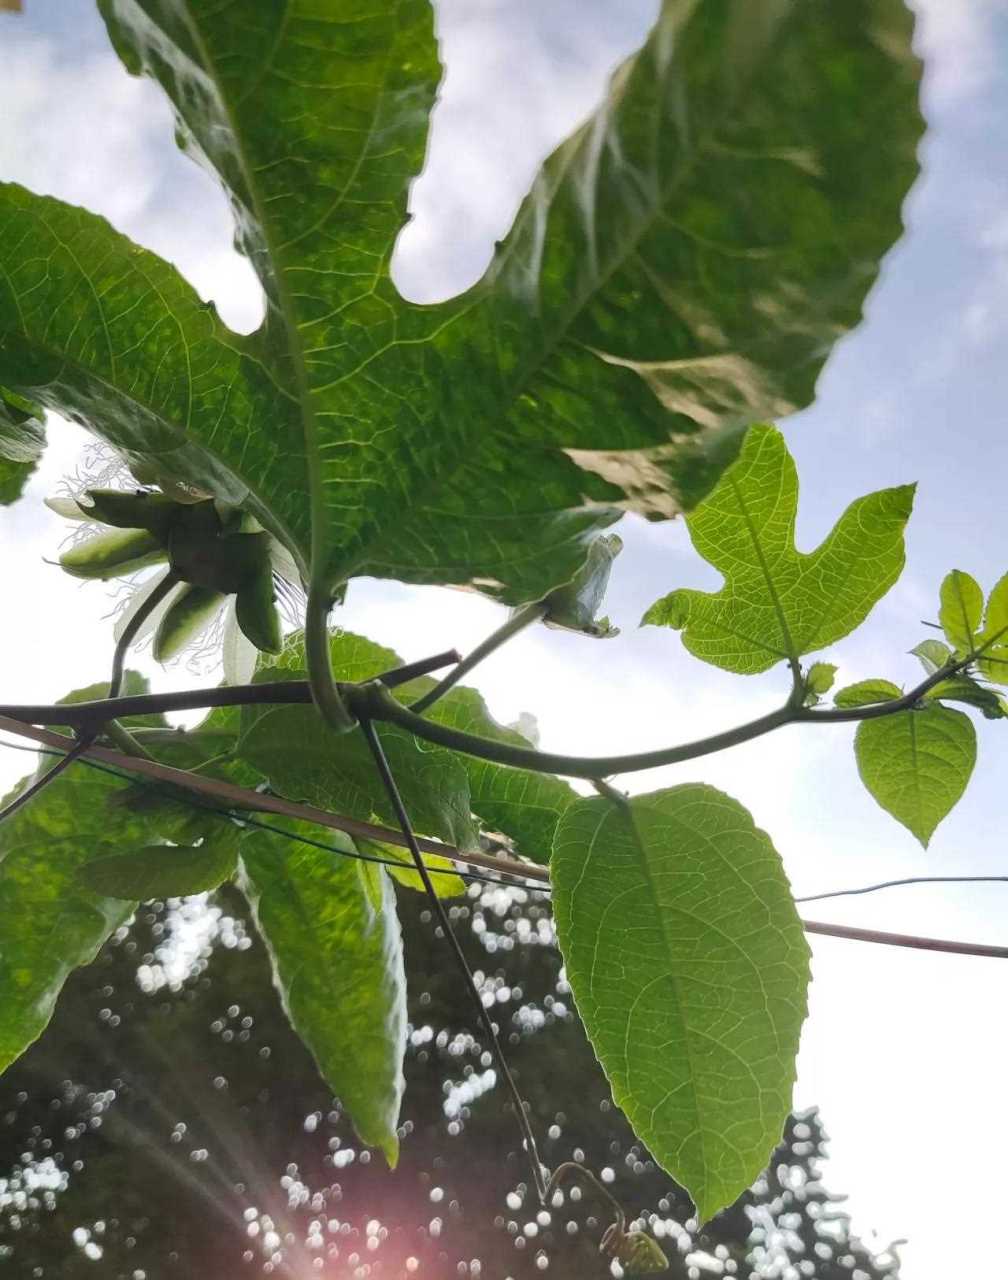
(309, 427)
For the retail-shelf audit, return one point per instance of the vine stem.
(325, 691)
(87, 735)
(374, 702)
(271, 693)
(518, 621)
(259, 802)
(389, 783)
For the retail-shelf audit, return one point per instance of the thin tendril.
(388, 781)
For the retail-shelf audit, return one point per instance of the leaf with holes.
(689, 968)
(778, 603)
(683, 264)
(916, 764)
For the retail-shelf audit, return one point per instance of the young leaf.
(867, 691)
(960, 612)
(338, 964)
(916, 764)
(684, 264)
(778, 603)
(22, 439)
(933, 655)
(963, 688)
(447, 883)
(689, 968)
(818, 681)
(162, 870)
(994, 638)
(13, 478)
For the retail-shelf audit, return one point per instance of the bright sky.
(903, 1051)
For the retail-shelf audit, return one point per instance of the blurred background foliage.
(170, 1124)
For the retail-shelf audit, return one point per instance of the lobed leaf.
(689, 968)
(916, 764)
(778, 603)
(683, 264)
(338, 965)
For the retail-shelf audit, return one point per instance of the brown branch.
(227, 795)
(906, 940)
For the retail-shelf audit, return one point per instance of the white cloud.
(957, 42)
(88, 133)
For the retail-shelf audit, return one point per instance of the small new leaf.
(960, 612)
(778, 603)
(933, 655)
(689, 967)
(818, 680)
(446, 881)
(865, 692)
(994, 638)
(963, 688)
(916, 764)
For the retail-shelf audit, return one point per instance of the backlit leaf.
(961, 610)
(446, 881)
(778, 603)
(916, 764)
(682, 265)
(867, 691)
(933, 655)
(994, 638)
(338, 964)
(689, 967)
